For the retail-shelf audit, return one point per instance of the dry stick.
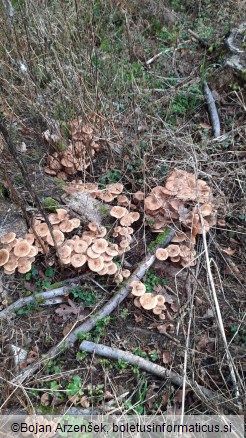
(214, 117)
(150, 367)
(24, 172)
(218, 312)
(35, 298)
(91, 322)
(72, 282)
(201, 41)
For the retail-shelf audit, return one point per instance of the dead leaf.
(74, 399)
(179, 395)
(64, 310)
(229, 251)
(202, 343)
(221, 222)
(84, 401)
(205, 125)
(45, 399)
(165, 328)
(108, 396)
(33, 355)
(174, 307)
(138, 317)
(166, 357)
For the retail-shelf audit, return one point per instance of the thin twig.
(91, 322)
(214, 117)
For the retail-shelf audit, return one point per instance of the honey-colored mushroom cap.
(138, 288)
(4, 256)
(148, 301)
(8, 238)
(118, 212)
(22, 248)
(161, 254)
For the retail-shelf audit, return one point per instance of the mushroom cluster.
(175, 203)
(124, 231)
(184, 253)
(20, 253)
(146, 300)
(78, 154)
(16, 254)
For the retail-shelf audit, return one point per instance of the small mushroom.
(148, 301)
(80, 246)
(138, 288)
(54, 219)
(66, 226)
(75, 222)
(173, 250)
(8, 238)
(42, 230)
(22, 248)
(161, 254)
(64, 251)
(78, 260)
(91, 254)
(99, 245)
(59, 238)
(96, 265)
(118, 212)
(112, 269)
(24, 266)
(61, 213)
(126, 273)
(4, 256)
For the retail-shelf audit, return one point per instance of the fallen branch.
(150, 367)
(214, 117)
(48, 294)
(91, 322)
(34, 298)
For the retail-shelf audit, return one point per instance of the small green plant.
(96, 393)
(238, 334)
(152, 280)
(138, 400)
(50, 204)
(84, 295)
(53, 367)
(111, 176)
(75, 387)
(124, 314)
(40, 283)
(28, 309)
(81, 355)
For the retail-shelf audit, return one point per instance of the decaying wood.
(214, 117)
(91, 322)
(88, 208)
(41, 296)
(11, 220)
